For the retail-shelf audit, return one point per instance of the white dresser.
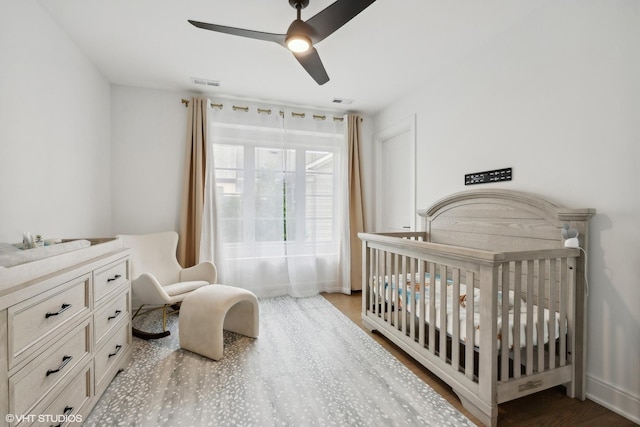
(65, 332)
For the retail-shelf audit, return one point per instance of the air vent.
(205, 82)
(342, 101)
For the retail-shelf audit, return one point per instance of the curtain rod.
(268, 112)
(186, 104)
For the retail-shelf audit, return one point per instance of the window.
(279, 195)
(273, 194)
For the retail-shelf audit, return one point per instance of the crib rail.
(408, 283)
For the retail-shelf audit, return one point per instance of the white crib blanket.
(461, 301)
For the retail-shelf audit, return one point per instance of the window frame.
(301, 148)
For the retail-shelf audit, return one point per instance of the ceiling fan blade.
(276, 38)
(311, 62)
(335, 16)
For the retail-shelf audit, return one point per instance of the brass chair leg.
(164, 317)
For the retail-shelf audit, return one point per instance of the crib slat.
(540, 302)
(376, 282)
(455, 333)
(432, 308)
(412, 300)
(504, 330)
(469, 360)
(381, 283)
(393, 289)
(443, 312)
(563, 311)
(419, 290)
(529, 350)
(388, 291)
(517, 290)
(403, 299)
(424, 319)
(371, 279)
(553, 296)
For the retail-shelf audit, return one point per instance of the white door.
(395, 178)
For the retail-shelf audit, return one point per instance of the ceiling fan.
(302, 35)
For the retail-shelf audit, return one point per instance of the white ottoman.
(207, 311)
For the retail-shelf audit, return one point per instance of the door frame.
(407, 125)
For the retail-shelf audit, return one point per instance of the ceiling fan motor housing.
(300, 28)
(302, 3)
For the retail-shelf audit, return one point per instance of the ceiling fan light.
(298, 44)
(298, 38)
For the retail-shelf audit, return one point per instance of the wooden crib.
(488, 258)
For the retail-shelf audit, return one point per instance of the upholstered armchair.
(158, 280)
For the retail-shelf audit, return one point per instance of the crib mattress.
(460, 302)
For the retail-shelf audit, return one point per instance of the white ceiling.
(380, 55)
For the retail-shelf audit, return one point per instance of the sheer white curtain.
(276, 204)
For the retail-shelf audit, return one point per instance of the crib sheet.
(460, 302)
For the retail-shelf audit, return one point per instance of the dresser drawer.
(109, 278)
(31, 383)
(31, 322)
(109, 355)
(71, 399)
(105, 319)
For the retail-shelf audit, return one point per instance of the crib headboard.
(502, 220)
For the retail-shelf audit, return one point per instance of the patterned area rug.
(311, 366)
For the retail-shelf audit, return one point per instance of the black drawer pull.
(67, 411)
(63, 308)
(65, 360)
(114, 315)
(118, 347)
(116, 277)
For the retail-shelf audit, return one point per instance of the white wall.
(54, 131)
(149, 133)
(556, 97)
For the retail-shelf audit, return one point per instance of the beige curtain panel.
(193, 186)
(356, 214)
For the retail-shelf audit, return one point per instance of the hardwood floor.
(547, 408)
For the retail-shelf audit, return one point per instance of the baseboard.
(619, 401)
